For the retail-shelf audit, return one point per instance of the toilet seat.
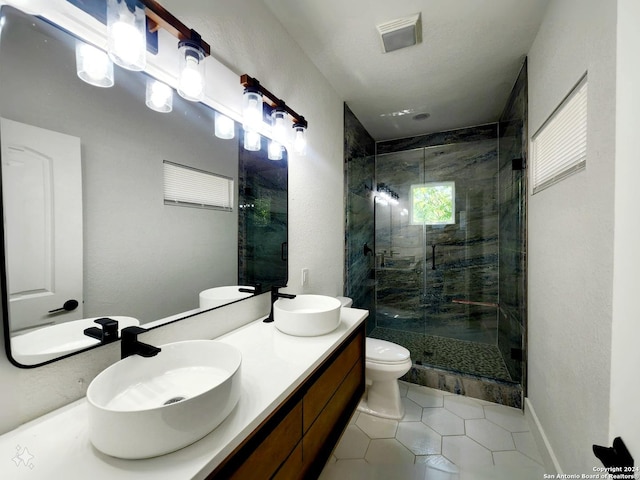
(386, 353)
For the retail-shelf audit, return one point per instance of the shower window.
(433, 203)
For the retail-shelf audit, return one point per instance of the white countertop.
(57, 445)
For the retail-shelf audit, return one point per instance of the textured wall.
(626, 328)
(570, 235)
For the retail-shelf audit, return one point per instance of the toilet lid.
(385, 352)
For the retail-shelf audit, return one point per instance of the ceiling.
(461, 74)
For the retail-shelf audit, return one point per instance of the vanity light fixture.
(127, 25)
(252, 140)
(224, 127)
(387, 195)
(279, 124)
(191, 68)
(159, 96)
(251, 108)
(93, 65)
(300, 137)
(126, 33)
(253, 116)
(274, 152)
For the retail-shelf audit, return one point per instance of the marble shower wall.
(359, 163)
(512, 197)
(411, 294)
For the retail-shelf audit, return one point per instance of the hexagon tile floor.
(442, 436)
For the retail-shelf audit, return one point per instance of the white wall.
(246, 36)
(625, 359)
(571, 241)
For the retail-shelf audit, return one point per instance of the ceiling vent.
(400, 33)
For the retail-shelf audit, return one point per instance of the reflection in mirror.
(262, 219)
(87, 231)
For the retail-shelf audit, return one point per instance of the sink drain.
(174, 400)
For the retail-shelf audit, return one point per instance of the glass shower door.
(462, 272)
(437, 255)
(399, 252)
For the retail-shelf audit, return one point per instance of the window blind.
(191, 187)
(559, 147)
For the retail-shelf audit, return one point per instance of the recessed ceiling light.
(421, 116)
(399, 113)
(400, 33)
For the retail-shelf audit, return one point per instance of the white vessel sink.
(218, 296)
(307, 315)
(145, 407)
(57, 340)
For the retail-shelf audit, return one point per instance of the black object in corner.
(616, 459)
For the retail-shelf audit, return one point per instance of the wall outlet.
(305, 277)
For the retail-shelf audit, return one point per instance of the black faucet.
(107, 334)
(256, 289)
(275, 295)
(130, 345)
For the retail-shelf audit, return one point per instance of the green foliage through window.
(433, 203)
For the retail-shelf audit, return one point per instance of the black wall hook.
(616, 459)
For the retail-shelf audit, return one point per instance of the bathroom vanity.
(298, 394)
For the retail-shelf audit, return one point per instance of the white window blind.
(191, 187)
(559, 147)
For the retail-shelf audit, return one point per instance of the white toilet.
(385, 363)
(345, 302)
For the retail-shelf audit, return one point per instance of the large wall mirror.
(87, 230)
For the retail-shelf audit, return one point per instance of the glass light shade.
(159, 96)
(191, 72)
(279, 125)
(93, 65)
(300, 139)
(274, 151)
(224, 126)
(251, 140)
(126, 34)
(251, 109)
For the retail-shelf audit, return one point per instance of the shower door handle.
(433, 256)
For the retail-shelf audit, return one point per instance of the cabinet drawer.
(325, 386)
(292, 468)
(274, 450)
(315, 438)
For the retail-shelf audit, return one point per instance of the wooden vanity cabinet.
(296, 440)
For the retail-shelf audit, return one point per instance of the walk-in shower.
(436, 251)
